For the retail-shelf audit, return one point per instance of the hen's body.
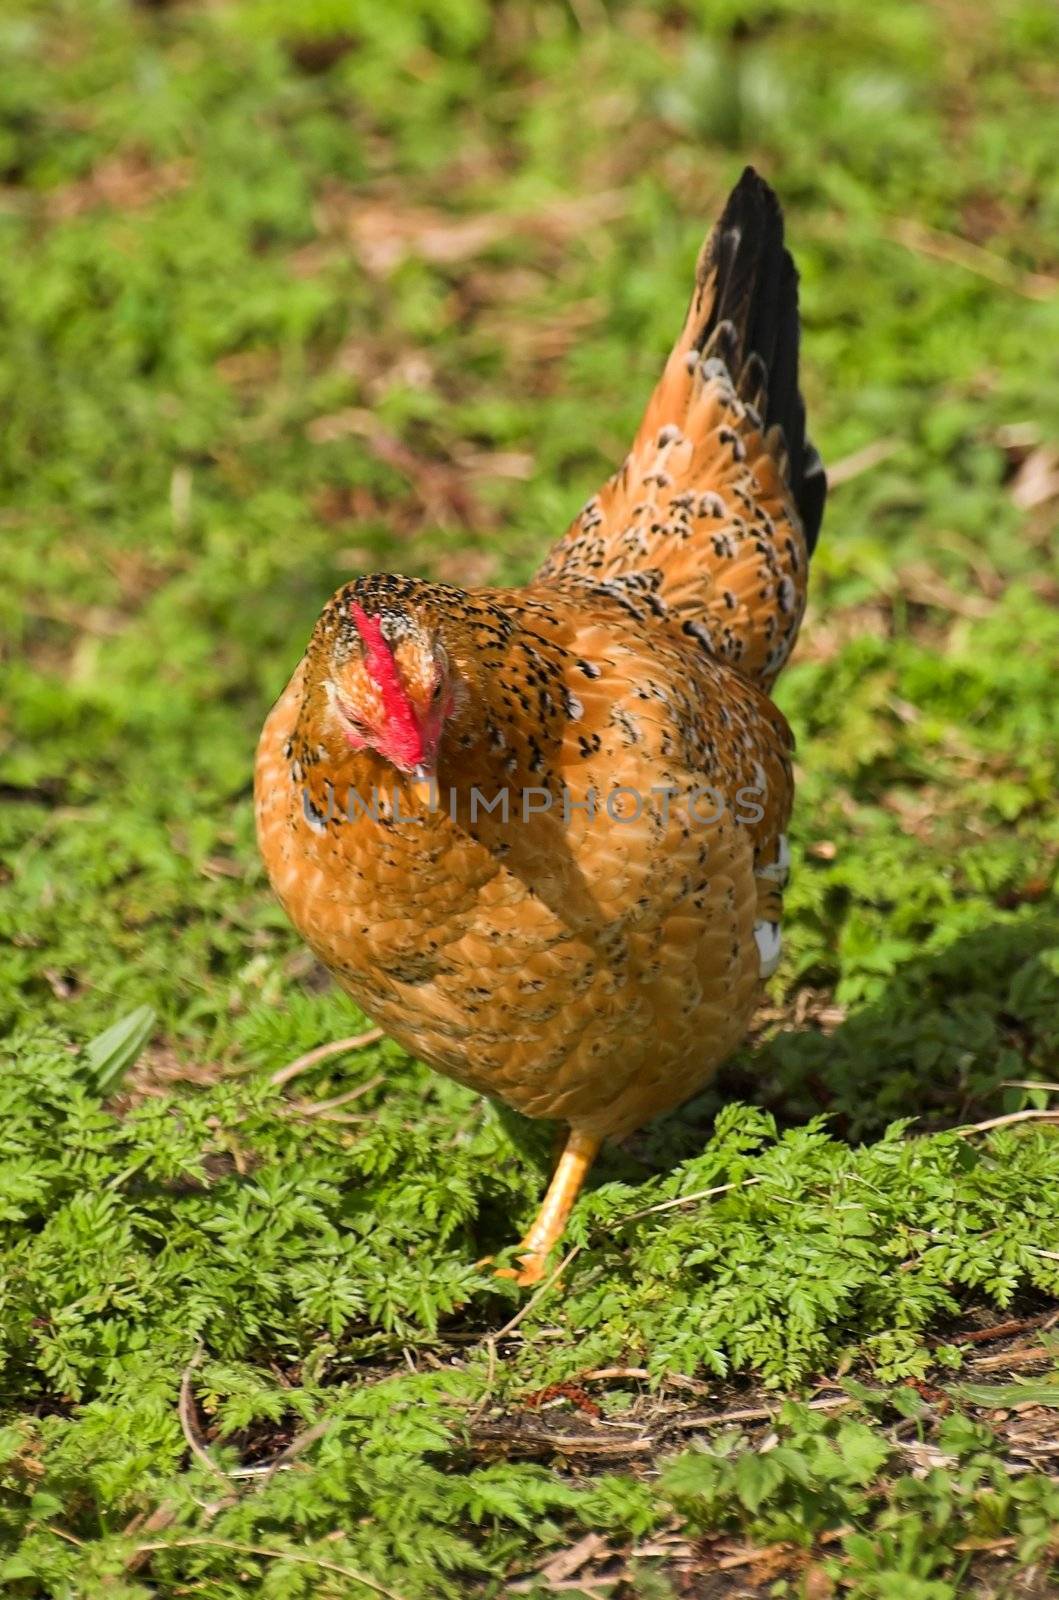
(596, 960)
(594, 970)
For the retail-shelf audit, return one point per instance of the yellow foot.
(578, 1155)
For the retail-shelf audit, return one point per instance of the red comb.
(402, 727)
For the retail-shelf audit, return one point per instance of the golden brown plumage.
(578, 916)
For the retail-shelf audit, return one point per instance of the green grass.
(248, 348)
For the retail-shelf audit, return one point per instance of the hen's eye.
(438, 687)
(351, 718)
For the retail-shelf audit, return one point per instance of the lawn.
(292, 289)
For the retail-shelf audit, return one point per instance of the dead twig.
(751, 1555)
(321, 1108)
(1008, 1360)
(271, 1554)
(686, 1200)
(870, 455)
(282, 1462)
(1006, 1121)
(521, 1435)
(189, 1422)
(536, 1297)
(949, 247)
(600, 1374)
(530, 1442)
(487, 1387)
(337, 1047)
(672, 1380)
(1002, 1330)
(160, 1518)
(721, 1419)
(986, 1546)
(566, 1563)
(61, 1533)
(299, 1444)
(564, 1586)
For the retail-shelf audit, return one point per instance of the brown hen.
(539, 834)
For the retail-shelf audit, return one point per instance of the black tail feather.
(757, 293)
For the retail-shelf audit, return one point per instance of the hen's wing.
(713, 515)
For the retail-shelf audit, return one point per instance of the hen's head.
(380, 678)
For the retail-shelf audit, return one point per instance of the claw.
(531, 1272)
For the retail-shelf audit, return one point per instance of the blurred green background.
(290, 291)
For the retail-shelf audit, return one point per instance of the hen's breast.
(592, 961)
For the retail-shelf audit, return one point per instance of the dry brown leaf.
(442, 489)
(127, 182)
(825, 638)
(567, 1562)
(517, 464)
(1037, 479)
(923, 586)
(385, 233)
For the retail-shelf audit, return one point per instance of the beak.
(422, 781)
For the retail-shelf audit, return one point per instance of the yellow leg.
(578, 1155)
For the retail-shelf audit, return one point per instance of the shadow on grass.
(941, 1042)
